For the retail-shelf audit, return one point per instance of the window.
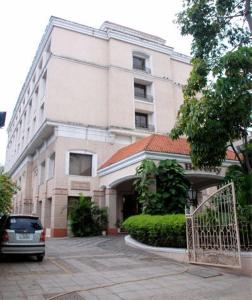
(24, 119)
(140, 90)
(143, 90)
(34, 123)
(80, 164)
(41, 112)
(141, 61)
(37, 90)
(41, 63)
(19, 223)
(43, 83)
(44, 75)
(48, 48)
(51, 166)
(29, 111)
(141, 120)
(42, 172)
(138, 63)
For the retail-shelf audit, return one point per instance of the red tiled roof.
(155, 143)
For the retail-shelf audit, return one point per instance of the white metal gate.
(212, 230)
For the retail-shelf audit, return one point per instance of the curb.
(133, 243)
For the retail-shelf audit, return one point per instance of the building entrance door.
(130, 206)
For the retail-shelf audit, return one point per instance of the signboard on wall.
(190, 167)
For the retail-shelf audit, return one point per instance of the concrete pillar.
(59, 213)
(111, 203)
(46, 213)
(120, 207)
(99, 197)
(43, 212)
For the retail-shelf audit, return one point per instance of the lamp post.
(192, 198)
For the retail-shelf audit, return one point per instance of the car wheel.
(40, 257)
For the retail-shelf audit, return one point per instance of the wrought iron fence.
(212, 231)
(245, 231)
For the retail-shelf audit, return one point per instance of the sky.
(23, 22)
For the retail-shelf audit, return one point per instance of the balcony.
(142, 96)
(141, 68)
(143, 121)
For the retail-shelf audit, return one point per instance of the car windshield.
(24, 223)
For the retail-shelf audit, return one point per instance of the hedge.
(161, 231)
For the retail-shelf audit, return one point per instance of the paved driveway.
(105, 268)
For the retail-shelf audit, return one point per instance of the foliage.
(217, 98)
(161, 231)
(211, 218)
(216, 26)
(87, 219)
(243, 190)
(171, 187)
(7, 189)
(146, 178)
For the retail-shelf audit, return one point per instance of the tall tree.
(7, 189)
(218, 95)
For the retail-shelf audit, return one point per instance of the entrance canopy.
(122, 165)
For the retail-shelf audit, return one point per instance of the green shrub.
(171, 187)
(86, 218)
(160, 231)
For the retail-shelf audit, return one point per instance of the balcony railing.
(142, 68)
(146, 97)
(149, 127)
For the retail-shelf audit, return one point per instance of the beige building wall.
(79, 97)
(80, 47)
(74, 88)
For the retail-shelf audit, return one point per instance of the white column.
(111, 204)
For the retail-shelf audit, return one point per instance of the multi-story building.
(89, 92)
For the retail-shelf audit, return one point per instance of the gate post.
(236, 223)
(193, 231)
(214, 219)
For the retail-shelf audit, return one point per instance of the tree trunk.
(247, 14)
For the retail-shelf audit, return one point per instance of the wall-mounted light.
(192, 197)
